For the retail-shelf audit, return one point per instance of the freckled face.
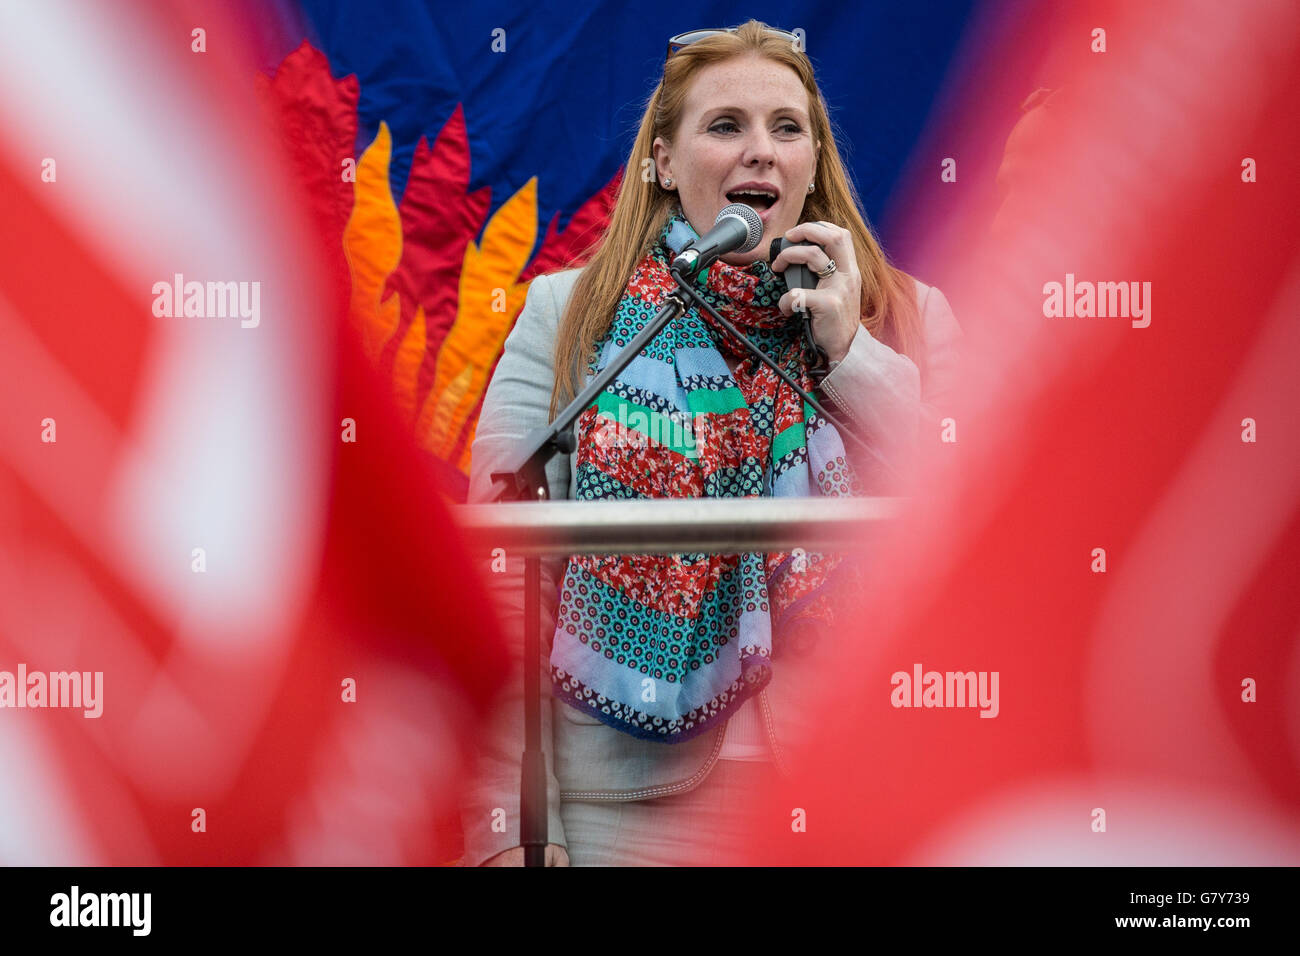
(745, 121)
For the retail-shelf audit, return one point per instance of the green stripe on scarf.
(720, 401)
(786, 442)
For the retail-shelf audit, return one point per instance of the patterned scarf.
(663, 647)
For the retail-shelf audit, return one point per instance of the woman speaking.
(674, 694)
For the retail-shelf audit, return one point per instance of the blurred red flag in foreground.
(213, 516)
(1110, 528)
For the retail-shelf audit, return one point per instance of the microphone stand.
(524, 479)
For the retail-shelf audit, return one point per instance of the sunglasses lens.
(685, 39)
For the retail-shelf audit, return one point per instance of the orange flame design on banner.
(431, 299)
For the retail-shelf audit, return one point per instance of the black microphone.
(799, 275)
(738, 228)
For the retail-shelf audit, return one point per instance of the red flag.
(209, 510)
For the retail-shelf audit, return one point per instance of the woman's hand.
(835, 305)
(556, 855)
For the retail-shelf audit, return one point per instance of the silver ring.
(830, 268)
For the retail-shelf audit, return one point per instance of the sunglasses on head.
(686, 39)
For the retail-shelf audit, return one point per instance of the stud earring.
(667, 183)
(812, 186)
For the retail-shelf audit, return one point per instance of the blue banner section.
(562, 100)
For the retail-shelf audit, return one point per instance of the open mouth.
(760, 199)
